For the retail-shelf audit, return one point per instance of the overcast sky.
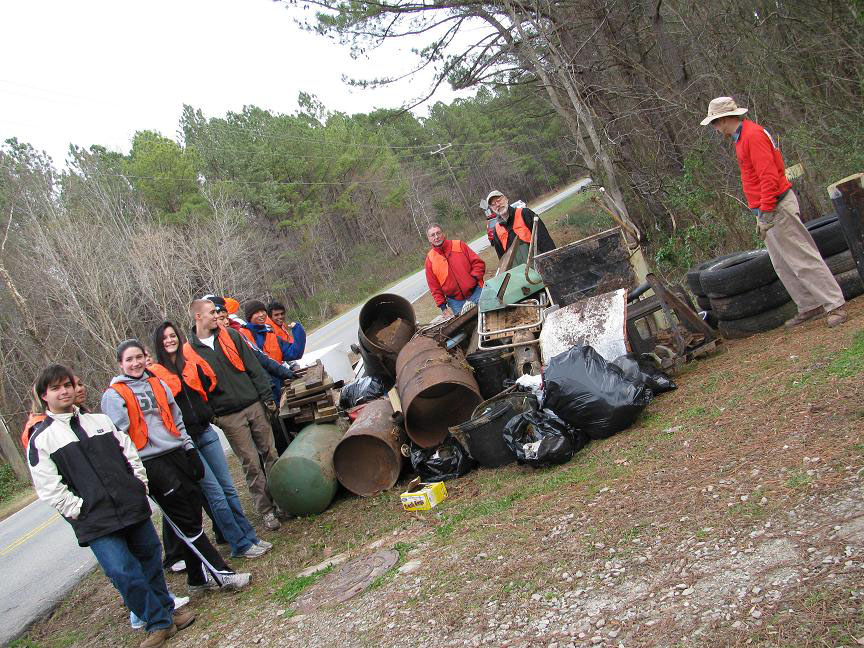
(95, 71)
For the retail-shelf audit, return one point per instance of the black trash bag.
(539, 438)
(642, 370)
(591, 394)
(446, 461)
(361, 391)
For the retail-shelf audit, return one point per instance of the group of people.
(155, 437)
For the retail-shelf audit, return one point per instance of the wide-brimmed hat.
(494, 194)
(722, 107)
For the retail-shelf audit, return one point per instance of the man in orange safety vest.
(513, 226)
(454, 272)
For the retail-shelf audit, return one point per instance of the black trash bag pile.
(539, 438)
(591, 394)
(361, 391)
(446, 461)
(642, 369)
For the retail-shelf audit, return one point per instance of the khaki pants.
(797, 260)
(249, 434)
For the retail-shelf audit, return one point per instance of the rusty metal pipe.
(437, 389)
(368, 459)
(382, 311)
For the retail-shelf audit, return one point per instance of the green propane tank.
(303, 480)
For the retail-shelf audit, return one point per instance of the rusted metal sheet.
(437, 390)
(593, 266)
(387, 322)
(598, 321)
(368, 459)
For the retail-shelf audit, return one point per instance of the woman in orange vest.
(454, 272)
(144, 407)
(513, 227)
(191, 381)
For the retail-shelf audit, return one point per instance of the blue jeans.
(219, 490)
(132, 559)
(457, 304)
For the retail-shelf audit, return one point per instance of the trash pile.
(479, 389)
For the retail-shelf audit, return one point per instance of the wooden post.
(9, 452)
(847, 195)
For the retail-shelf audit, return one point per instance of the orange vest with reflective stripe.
(280, 331)
(32, 421)
(190, 373)
(440, 267)
(519, 228)
(271, 343)
(137, 424)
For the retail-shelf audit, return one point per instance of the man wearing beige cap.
(513, 226)
(770, 197)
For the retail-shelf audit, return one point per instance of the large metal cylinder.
(387, 322)
(303, 481)
(368, 459)
(437, 390)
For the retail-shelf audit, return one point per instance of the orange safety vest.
(440, 267)
(190, 373)
(271, 343)
(519, 228)
(137, 425)
(228, 348)
(280, 331)
(32, 421)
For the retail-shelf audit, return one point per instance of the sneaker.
(254, 551)
(264, 544)
(184, 618)
(283, 515)
(206, 586)
(157, 638)
(235, 581)
(178, 566)
(271, 522)
(836, 317)
(179, 601)
(806, 316)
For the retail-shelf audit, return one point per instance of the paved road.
(343, 329)
(40, 560)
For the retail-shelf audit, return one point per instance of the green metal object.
(303, 480)
(517, 288)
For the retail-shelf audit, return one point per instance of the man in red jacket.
(454, 272)
(770, 197)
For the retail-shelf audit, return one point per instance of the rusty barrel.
(387, 322)
(437, 390)
(368, 458)
(302, 481)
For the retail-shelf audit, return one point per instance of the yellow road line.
(32, 532)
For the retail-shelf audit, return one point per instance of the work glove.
(196, 466)
(764, 222)
(271, 406)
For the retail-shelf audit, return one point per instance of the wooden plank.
(314, 398)
(300, 390)
(314, 377)
(325, 411)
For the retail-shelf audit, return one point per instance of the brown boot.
(183, 618)
(806, 316)
(157, 638)
(836, 317)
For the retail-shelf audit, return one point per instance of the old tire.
(747, 326)
(693, 274)
(704, 303)
(738, 274)
(827, 234)
(753, 302)
(839, 263)
(850, 283)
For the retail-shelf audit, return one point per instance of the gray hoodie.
(159, 440)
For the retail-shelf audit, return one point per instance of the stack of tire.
(742, 295)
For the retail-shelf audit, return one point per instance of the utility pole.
(440, 151)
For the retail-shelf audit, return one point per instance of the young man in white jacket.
(91, 473)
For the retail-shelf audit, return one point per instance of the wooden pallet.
(311, 397)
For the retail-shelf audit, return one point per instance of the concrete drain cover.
(354, 577)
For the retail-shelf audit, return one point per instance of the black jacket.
(237, 389)
(544, 240)
(90, 472)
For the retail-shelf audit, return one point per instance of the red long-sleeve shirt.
(763, 174)
(465, 272)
